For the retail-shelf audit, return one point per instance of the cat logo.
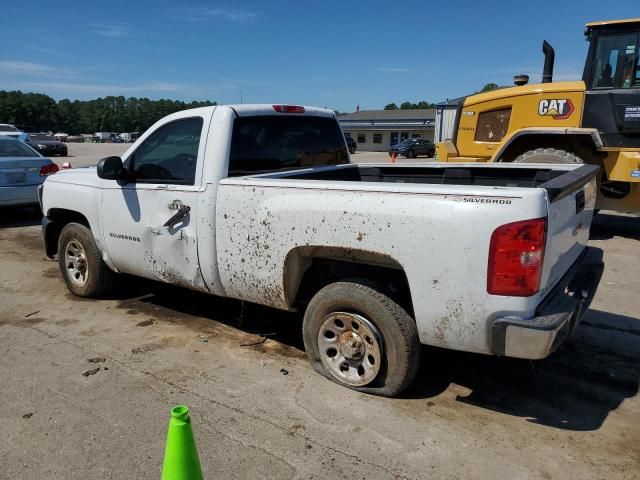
(559, 109)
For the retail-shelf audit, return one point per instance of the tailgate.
(572, 198)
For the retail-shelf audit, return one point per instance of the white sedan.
(22, 170)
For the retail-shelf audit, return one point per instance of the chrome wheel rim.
(350, 348)
(75, 261)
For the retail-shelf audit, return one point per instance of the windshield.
(15, 148)
(42, 137)
(616, 62)
(267, 143)
(8, 128)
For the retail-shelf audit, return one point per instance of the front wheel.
(411, 154)
(80, 261)
(547, 155)
(360, 338)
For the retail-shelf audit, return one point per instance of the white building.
(377, 130)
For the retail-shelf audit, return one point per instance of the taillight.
(48, 169)
(516, 254)
(288, 108)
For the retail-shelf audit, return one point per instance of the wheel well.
(58, 218)
(581, 145)
(309, 271)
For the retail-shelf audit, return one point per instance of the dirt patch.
(22, 322)
(148, 347)
(30, 240)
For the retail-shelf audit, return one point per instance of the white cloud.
(111, 30)
(49, 51)
(10, 67)
(199, 14)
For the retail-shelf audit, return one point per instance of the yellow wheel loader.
(596, 120)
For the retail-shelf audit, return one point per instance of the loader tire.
(547, 155)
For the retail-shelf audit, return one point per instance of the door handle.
(182, 212)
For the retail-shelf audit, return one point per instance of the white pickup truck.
(260, 203)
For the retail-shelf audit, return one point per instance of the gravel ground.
(258, 409)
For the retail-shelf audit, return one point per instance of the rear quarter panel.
(439, 235)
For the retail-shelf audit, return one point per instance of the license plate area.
(16, 178)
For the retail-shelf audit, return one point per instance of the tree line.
(35, 112)
(423, 104)
(409, 106)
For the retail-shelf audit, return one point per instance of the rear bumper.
(556, 317)
(18, 195)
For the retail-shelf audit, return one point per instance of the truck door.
(149, 222)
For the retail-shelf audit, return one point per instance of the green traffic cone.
(181, 460)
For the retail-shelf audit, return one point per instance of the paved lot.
(258, 409)
(83, 154)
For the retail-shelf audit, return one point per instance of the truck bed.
(432, 221)
(556, 179)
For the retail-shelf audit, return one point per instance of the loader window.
(616, 62)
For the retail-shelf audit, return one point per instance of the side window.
(168, 155)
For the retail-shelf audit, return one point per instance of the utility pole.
(240, 95)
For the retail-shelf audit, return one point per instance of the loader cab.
(612, 78)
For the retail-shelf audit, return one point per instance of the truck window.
(616, 61)
(262, 144)
(169, 155)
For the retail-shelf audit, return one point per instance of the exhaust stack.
(549, 59)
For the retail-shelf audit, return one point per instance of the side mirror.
(111, 168)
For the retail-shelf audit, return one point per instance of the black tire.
(400, 343)
(99, 278)
(352, 150)
(547, 155)
(432, 153)
(411, 154)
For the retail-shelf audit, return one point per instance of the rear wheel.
(360, 338)
(547, 155)
(80, 261)
(432, 153)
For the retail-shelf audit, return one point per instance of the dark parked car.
(351, 144)
(414, 147)
(46, 144)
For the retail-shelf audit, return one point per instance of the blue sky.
(329, 53)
